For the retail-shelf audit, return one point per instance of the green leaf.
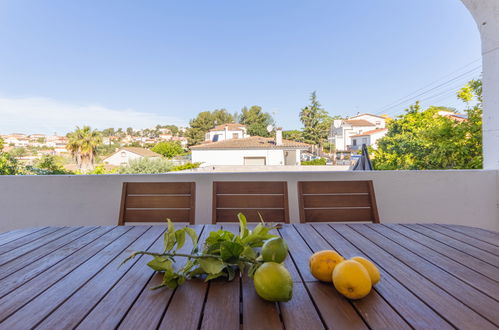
(169, 237)
(248, 253)
(180, 238)
(211, 265)
(243, 225)
(161, 264)
(192, 234)
(230, 251)
(213, 276)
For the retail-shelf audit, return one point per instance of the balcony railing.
(465, 197)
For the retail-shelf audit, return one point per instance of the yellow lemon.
(351, 279)
(371, 269)
(322, 264)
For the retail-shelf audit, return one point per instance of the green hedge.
(320, 161)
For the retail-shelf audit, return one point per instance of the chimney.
(278, 136)
(226, 132)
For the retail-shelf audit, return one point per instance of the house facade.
(255, 150)
(227, 132)
(343, 130)
(369, 138)
(124, 155)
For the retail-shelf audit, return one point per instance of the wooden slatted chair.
(337, 201)
(269, 198)
(157, 201)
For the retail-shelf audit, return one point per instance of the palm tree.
(83, 143)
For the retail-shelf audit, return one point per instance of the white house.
(255, 150)
(124, 155)
(368, 138)
(226, 132)
(343, 130)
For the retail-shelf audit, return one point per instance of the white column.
(486, 15)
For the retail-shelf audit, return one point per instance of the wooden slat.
(407, 304)
(466, 248)
(157, 215)
(37, 267)
(470, 297)
(148, 308)
(455, 254)
(224, 215)
(38, 254)
(186, 306)
(158, 188)
(462, 272)
(27, 240)
(223, 293)
(374, 309)
(158, 202)
(491, 248)
(31, 303)
(478, 233)
(250, 201)
(16, 234)
(333, 187)
(338, 215)
(299, 312)
(70, 313)
(250, 187)
(322, 201)
(38, 243)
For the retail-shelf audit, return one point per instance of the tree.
(168, 149)
(256, 120)
(423, 139)
(205, 121)
(316, 122)
(1, 144)
(19, 152)
(146, 166)
(9, 165)
(293, 135)
(129, 131)
(48, 165)
(83, 143)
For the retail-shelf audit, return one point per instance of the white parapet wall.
(465, 197)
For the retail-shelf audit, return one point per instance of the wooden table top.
(433, 276)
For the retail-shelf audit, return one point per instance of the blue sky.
(138, 63)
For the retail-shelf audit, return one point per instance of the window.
(235, 135)
(123, 154)
(354, 142)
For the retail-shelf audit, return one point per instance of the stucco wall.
(235, 157)
(454, 197)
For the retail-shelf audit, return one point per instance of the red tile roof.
(230, 127)
(141, 151)
(254, 142)
(371, 132)
(359, 122)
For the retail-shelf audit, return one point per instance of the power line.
(405, 100)
(432, 83)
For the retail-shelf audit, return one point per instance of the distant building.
(453, 116)
(255, 150)
(368, 138)
(343, 130)
(226, 132)
(124, 155)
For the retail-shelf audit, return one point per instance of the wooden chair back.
(158, 201)
(267, 198)
(337, 201)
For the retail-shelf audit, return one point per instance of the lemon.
(274, 249)
(273, 282)
(322, 264)
(371, 269)
(351, 279)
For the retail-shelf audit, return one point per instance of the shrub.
(319, 161)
